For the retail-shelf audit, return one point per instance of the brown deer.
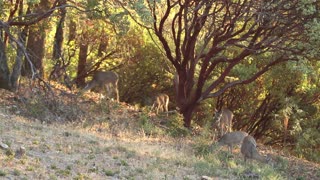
(223, 121)
(232, 138)
(105, 79)
(249, 150)
(161, 103)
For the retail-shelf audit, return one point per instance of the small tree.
(206, 40)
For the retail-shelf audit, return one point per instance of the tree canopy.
(206, 41)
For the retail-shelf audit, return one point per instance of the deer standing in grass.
(249, 150)
(223, 121)
(161, 103)
(232, 138)
(107, 79)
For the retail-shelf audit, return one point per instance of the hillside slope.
(62, 152)
(120, 149)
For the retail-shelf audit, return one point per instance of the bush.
(147, 126)
(175, 126)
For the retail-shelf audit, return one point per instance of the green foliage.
(308, 141)
(175, 126)
(109, 172)
(204, 167)
(32, 2)
(246, 69)
(313, 35)
(281, 164)
(144, 76)
(142, 11)
(307, 7)
(16, 172)
(121, 21)
(148, 127)
(203, 145)
(1, 7)
(2, 173)
(10, 153)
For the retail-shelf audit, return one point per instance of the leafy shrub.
(147, 126)
(175, 126)
(308, 144)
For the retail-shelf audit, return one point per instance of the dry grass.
(65, 152)
(116, 141)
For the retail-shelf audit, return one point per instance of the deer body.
(224, 121)
(108, 79)
(232, 138)
(249, 150)
(161, 103)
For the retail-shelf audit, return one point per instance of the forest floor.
(116, 147)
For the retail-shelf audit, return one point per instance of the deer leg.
(107, 90)
(230, 125)
(115, 87)
(221, 131)
(230, 148)
(166, 107)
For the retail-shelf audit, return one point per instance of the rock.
(206, 178)
(3, 145)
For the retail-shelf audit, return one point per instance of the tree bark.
(16, 72)
(36, 41)
(57, 71)
(58, 37)
(35, 48)
(83, 53)
(187, 113)
(72, 31)
(22, 36)
(4, 69)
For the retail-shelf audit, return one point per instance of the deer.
(232, 138)
(223, 121)
(161, 103)
(106, 79)
(249, 150)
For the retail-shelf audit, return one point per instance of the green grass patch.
(109, 172)
(2, 173)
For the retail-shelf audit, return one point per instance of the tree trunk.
(58, 37)
(35, 48)
(16, 72)
(36, 42)
(57, 71)
(22, 36)
(187, 115)
(83, 53)
(4, 69)
(102, 48)
(103, 45)
(186, 97)
(72, 31)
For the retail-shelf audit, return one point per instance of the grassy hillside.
(118, 142)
